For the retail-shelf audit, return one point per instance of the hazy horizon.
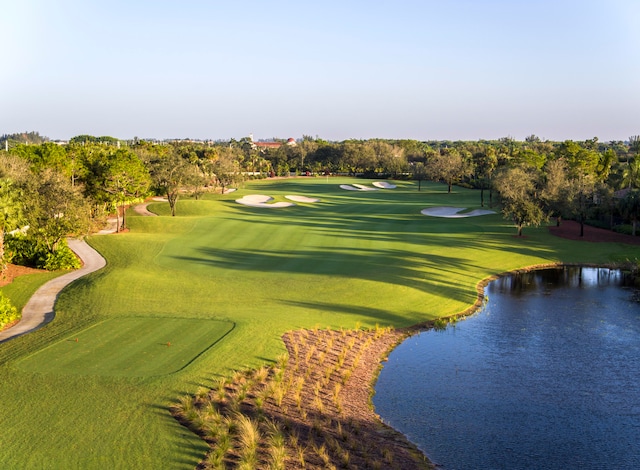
(424, 70)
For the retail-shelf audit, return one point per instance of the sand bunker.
(229, 190)
(454, 212)
(357, 187)
(259, 200)
(362, 187)
(303, 199)
(383, 185)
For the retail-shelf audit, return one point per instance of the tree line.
(50, 191)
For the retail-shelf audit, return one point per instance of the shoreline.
(320, 396)
(405, 333)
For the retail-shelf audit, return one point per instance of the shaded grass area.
(129, 347)
(355, 257)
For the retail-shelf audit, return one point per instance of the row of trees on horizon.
(60, 190)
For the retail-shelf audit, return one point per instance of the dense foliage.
(8, 313)
(49, 191)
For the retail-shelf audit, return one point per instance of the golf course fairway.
(213, 290)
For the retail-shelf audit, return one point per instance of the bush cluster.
(8, 313)
(626, 229)
(28, 251)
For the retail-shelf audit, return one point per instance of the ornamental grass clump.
(291, 414)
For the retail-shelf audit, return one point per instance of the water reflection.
(546, 376)
(571, 276)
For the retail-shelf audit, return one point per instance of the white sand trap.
(256, 198)
(383, 185)
(362, 187)
(302, 199)
(259, 200)
(229, 190)
(454, 212)
(348, 187)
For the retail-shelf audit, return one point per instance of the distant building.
(263, 145)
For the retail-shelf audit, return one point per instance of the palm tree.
(631, 174)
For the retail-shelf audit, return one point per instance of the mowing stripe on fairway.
(130, 347)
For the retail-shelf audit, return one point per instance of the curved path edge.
(39, 309)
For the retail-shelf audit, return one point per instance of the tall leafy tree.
(529, 157)
(554, 190)
(124, 177)
(11, 213)
(448, 166)
(225, 167)
(579, 159)
(169, 174)
(45, 156)
(485, 163)
(55, 209)
(419, 173)
(358, 157)
(517, 190)
(580, 196)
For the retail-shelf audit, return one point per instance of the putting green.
(130, 347)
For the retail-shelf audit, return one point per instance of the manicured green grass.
(353, 258)
(22, 288)
(129, 347)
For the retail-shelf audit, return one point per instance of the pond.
(545, 376)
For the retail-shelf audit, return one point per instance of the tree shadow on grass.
(416, 270)
(184, 456)
(383, 317)
(400, 223)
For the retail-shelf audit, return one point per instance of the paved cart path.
(39, 310)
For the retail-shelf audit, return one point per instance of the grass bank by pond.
(355, 257)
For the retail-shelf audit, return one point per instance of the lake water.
(545, 376)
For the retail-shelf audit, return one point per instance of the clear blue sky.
(430, 69)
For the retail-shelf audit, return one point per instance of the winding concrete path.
(142, 210)
(39, 310)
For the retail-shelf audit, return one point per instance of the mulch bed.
(324, 407)
(570, 229)
(14, 271)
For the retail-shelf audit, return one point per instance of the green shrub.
(8, 313)
(62, 258)
(626, 229)
(599, 223)
(440, 324)
(20, 250)
(27, 251)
